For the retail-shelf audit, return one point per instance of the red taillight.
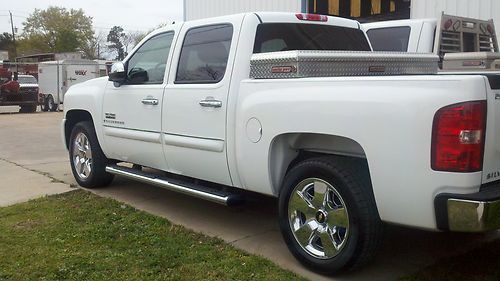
(458, 137)
(312, 17)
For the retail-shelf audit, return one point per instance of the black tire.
(97, 177)
(351, 180)
(28, 108)
(44, 107)
(50, 104)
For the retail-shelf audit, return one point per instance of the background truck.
(296, 106)
(19, 90)
(55, 78)
(461, 43)
(449, 34)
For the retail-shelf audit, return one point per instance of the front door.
(132, 111)
(195, 103)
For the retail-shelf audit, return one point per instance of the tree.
(7, 44)
(116, 38)
(121, 42)
(58, 29)
(139, 35)
(94, 49)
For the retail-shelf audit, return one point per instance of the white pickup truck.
(448, 34)
(296, 106)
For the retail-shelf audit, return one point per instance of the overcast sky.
(132, 15)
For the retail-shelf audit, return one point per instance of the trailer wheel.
(50, 104)
(327, 214)
(43, 106)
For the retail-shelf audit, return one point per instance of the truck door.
(195, 104)
(132, 111)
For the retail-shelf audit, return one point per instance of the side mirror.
(118, 73)
(138, 76)
(16, 76)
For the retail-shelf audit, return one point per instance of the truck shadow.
(254, 228)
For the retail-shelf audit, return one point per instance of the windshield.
(275, 37)
(27, 80)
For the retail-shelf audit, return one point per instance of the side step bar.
(203, 192)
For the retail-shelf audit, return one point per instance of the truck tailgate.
(491, 164)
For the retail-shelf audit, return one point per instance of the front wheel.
(88, 162)
(327, 214)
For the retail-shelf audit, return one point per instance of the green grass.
(481, 264)
(79, 236)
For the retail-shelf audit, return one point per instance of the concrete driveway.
(31, 143)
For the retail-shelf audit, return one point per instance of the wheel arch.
(73, 117)
(290, 148)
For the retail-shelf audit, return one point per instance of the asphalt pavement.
(34, 163)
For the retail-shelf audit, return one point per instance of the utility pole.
(13, 38)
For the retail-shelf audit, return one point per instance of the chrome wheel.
(318, 218)
(82, 156)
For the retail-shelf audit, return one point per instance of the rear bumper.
(476, 212)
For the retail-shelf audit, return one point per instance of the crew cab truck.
(296, 106)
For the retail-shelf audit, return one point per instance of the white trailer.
(56, 77)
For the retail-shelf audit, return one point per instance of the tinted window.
(390, 39)
(204, 54)
(27, 80)
(274, 37)
(148, 64)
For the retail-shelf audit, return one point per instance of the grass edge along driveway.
(80, 236)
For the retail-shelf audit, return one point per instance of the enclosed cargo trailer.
(56, 77)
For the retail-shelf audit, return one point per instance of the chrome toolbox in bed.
(299, 64)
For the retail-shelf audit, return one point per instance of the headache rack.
(301, 64)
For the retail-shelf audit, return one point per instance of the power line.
(95, 27)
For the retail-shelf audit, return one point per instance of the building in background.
(362, 10)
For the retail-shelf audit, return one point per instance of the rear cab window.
(275, 37)
(391, 39)
(204, 54)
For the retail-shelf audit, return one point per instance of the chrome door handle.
(150, 101)
(210, 102)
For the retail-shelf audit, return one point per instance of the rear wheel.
(88, 162)
(327, 214)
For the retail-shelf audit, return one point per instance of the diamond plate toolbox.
(300, 64)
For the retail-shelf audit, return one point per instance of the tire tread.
(354, 174)
(100, 177)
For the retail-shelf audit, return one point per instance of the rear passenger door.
(195, 101)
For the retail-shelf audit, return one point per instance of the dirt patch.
(28, 224)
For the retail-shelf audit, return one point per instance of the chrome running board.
(202, 192)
